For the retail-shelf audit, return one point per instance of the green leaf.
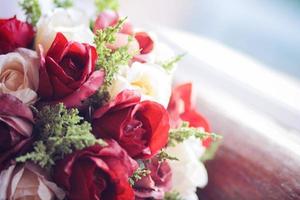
(63, 3)
(32, 10)
(184, 132)
(108, 59)
(169, 64)
(60, 132)
(163, 156)
(209, 154)
(139, 173)
(107, 5)
(172, 196)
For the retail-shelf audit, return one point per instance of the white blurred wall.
(172, 13)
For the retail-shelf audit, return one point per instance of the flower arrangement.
(88, 111)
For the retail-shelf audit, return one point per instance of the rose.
(188, 172)
(154, 185)
(68, 72)
(182, 108)
(71, 22)
(16, 122)
(27, 182)
(138, 42)
(19, 74)
(153, 82)
(141, 128)
(110, 18)
(97, 173)
(13, 34)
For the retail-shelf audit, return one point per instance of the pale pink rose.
(19, 74)
(123, 40)
(27, 182)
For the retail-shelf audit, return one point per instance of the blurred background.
(267, 30)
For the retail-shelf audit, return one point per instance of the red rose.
(154, 185)
(181, 108)
(97, 173)
(13, 34)
(16, 122)
(68, 72)
(141, 128)
(145, 41)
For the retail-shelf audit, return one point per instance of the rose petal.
(123, 100)
(146, 43)
(5, 178)
(86, 90)
(19, 109)
(58, 46)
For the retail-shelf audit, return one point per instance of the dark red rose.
(181, 108)
(13, 34)
(141, 128)
(16, 121)
(97, 173)
(67, 73)
(154, 185)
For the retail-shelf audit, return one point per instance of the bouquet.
(88, 111)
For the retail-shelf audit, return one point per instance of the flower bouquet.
(88, 112)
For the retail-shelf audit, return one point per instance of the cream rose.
(151, 80)
(73, 23)
(27, 182)
(19, 74)
(188, 173)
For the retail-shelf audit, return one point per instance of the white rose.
(70, 22)
(27, 182)
(19, 74)
(153, 82)
(188, 173)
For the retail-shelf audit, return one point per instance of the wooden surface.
(248, 166)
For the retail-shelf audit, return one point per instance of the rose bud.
(182, 108)
(124, 37)
(68, 72)
(13, 34)
(16, 122)
(146, 43)
(155, 184)
(110, 18)
(141, 128)
(97, 172)
(19, 74)
(28, 181)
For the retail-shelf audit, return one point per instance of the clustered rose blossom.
(134, 123)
